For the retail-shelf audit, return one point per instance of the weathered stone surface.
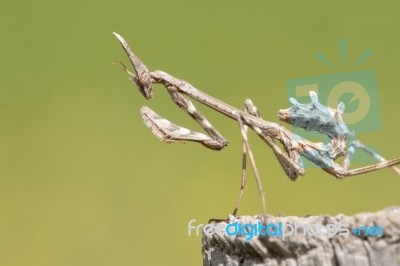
(318, 249)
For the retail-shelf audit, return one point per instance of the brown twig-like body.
(312, 116)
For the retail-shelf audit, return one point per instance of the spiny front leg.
(161, 127)
(217, 141)
(168, 132)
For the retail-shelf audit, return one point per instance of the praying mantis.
(311, 116)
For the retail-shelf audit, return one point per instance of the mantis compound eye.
(144, 84)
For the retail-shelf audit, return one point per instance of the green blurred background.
(84, 182)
